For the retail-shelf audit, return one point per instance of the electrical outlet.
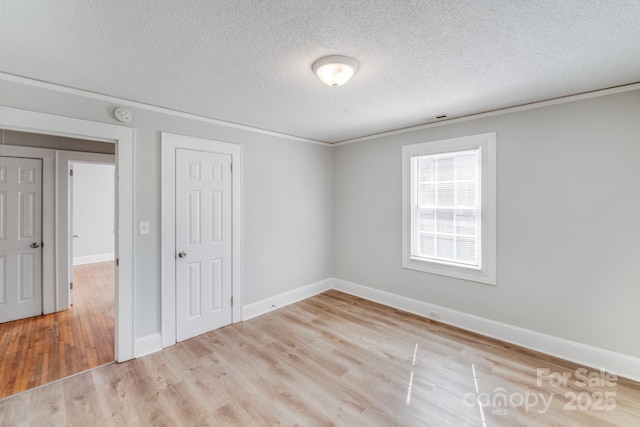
(434, 315)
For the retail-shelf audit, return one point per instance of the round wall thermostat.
(122, 115)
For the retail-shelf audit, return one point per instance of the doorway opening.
(91, 190)
(201, 183)
(68, 335)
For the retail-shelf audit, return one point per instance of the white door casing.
(50, 297)
(203, 242)
(170, 144)
(20, 238)
(124, 137)
(69, 236)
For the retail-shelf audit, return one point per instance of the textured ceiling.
(249, 62)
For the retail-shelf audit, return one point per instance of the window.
(449, 207)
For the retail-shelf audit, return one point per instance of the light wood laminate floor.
(333, 359)
(42, 349)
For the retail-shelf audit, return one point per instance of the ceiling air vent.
(433, 118)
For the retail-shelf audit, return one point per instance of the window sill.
(471, 274)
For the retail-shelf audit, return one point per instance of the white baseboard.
(277, 301)
(148, 344)
(90, 259)
(615, 363)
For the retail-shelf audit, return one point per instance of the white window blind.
(446, 217)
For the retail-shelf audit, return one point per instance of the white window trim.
(487, 143)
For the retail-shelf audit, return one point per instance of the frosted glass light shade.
(335, 70)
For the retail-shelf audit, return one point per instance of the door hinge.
(71, 285)
(70, 172)
(117, 261)
(232, 301)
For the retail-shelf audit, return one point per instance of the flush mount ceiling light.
(335, 70)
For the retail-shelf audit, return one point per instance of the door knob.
(182, 254)
(35, 245)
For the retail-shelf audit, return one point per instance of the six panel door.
(203, 242)
(20, 238)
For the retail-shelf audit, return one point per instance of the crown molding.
(529, 106)
(149, 107)
(130, 103)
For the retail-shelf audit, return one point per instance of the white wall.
(287, 197)
(287, 208)
(93, 212)
(568, 208)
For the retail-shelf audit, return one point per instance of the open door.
(90, 213)
(70, 228)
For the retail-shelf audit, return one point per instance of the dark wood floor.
(42, 349)
(332, 359)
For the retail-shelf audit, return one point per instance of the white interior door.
(20, 238)
(203, 242)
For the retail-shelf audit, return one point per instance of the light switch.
(144, 227)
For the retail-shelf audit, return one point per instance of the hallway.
(42, 349)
